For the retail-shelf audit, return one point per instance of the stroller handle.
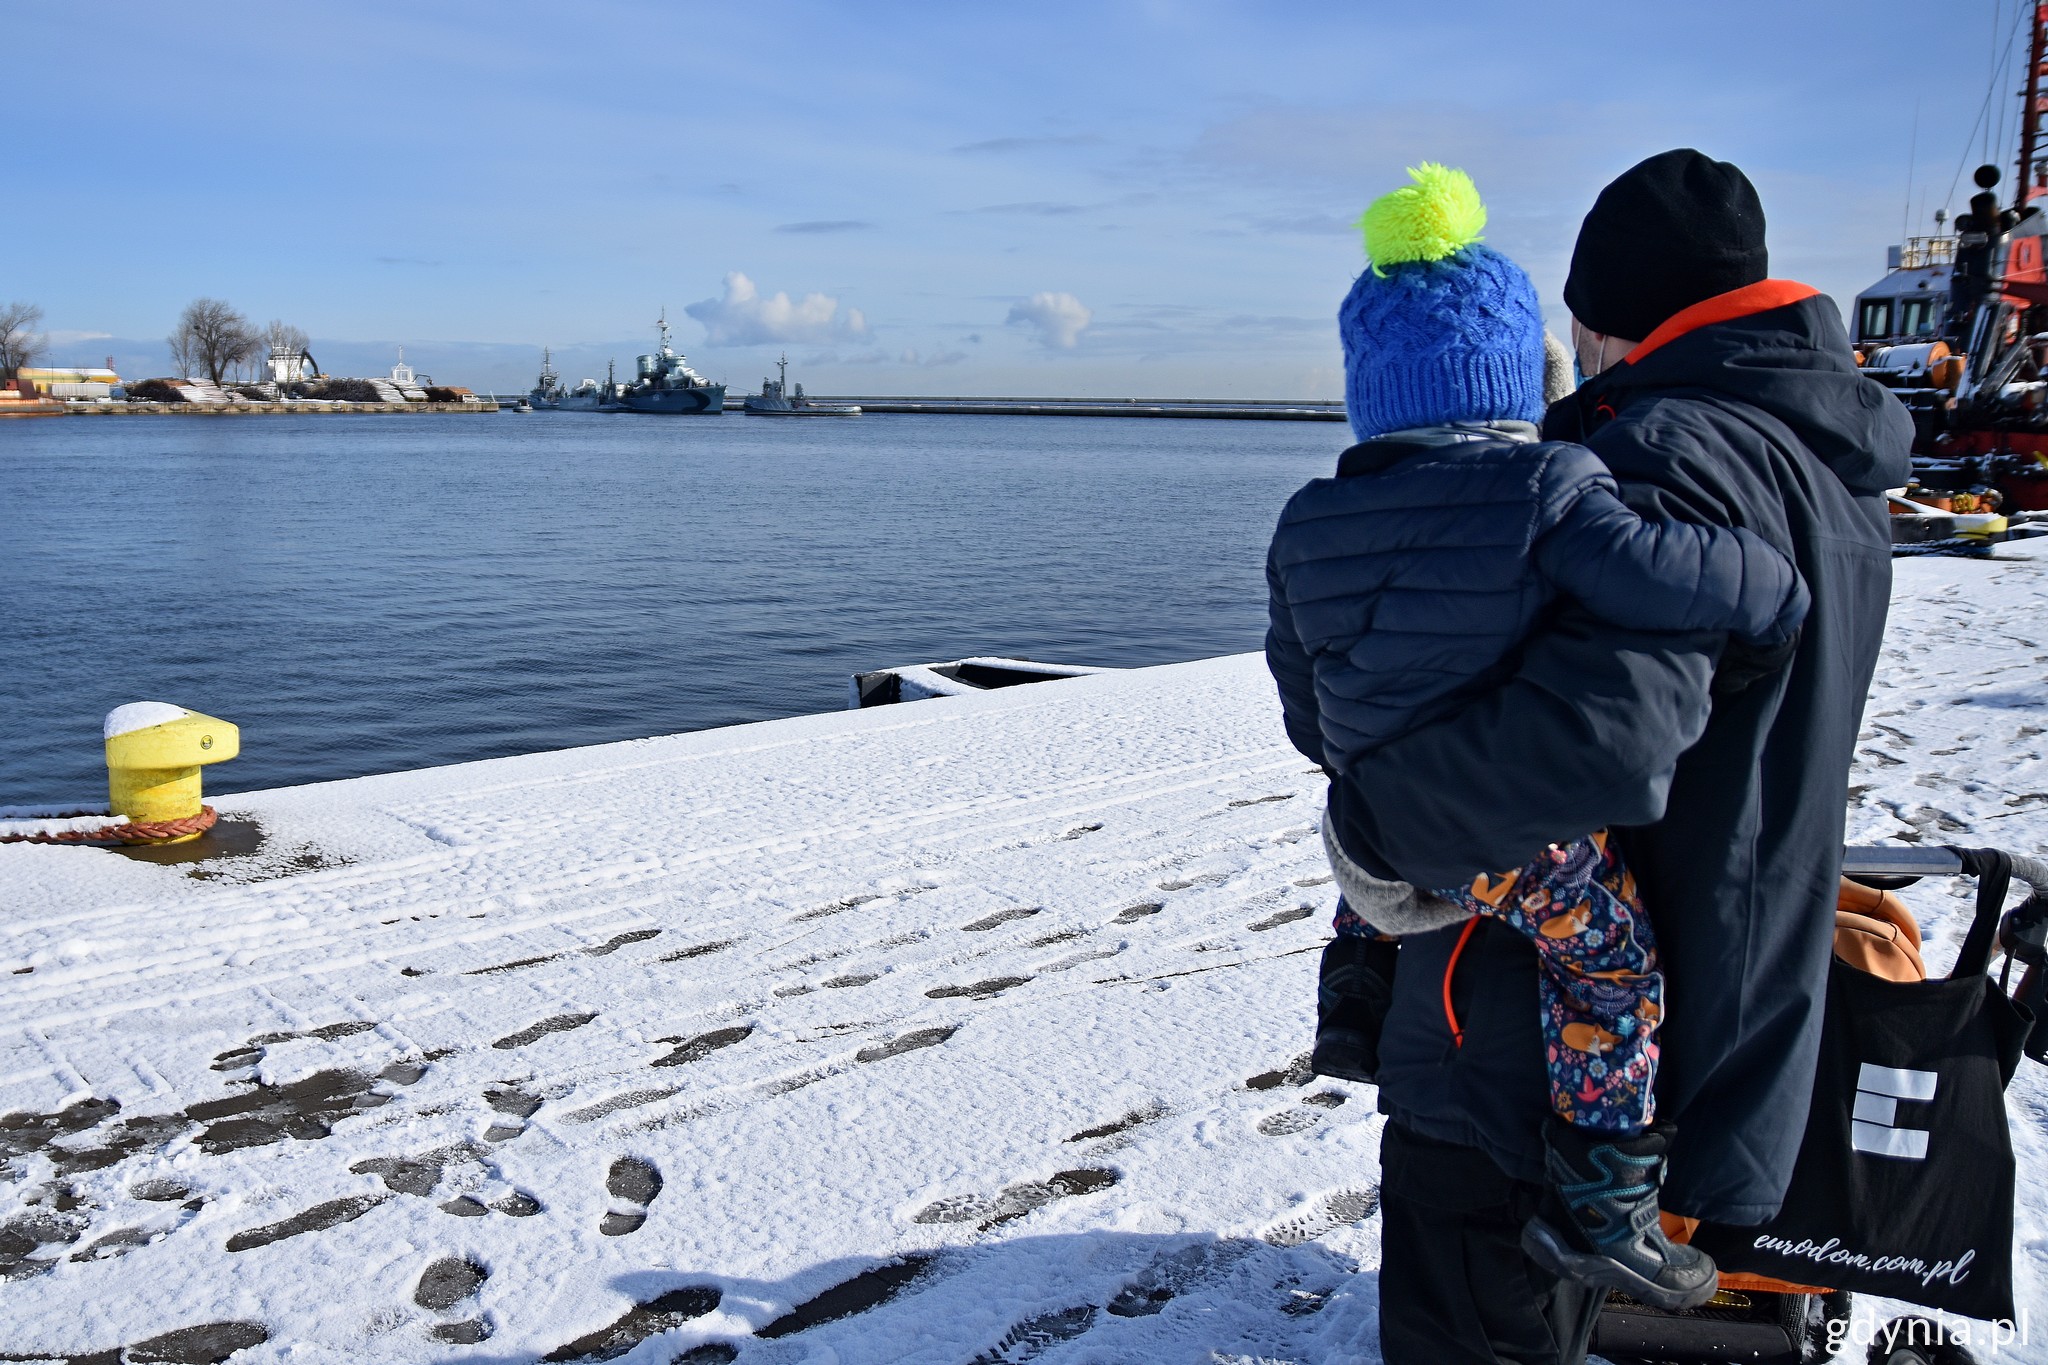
(1910, 861)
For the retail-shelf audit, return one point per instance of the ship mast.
(2036, 105)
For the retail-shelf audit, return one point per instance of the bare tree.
(280, 333)
(212, 336)
(20, 342)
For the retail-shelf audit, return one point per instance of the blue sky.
(1147, 197)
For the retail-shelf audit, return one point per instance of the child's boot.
(1353, 994)
(1597, 1221)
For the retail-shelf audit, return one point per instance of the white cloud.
(60, 337)
(1059, 318)
(744, 318)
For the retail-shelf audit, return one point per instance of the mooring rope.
(124, 832)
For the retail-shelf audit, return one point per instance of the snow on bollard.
(154, 753)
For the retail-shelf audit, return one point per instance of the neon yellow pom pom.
(1436, 216)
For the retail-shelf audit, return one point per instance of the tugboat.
(775, 400)
(1958, 327)
(665, 383)
(548, 395)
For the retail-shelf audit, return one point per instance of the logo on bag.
(1874, 1126)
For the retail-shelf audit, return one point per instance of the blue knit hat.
(1440, 328)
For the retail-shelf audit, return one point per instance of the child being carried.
(1401, 590)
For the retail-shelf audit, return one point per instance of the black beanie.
(1669, 232)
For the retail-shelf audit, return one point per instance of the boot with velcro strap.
(1597, 1224)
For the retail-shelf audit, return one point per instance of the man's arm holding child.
(1586, 734)
(1656, 574)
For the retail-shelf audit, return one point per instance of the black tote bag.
(1904, 1180)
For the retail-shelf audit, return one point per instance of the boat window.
(1916, 317)
(1875, 321)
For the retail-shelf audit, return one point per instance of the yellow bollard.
(154, 753)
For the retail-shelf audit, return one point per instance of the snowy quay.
(965, 1030)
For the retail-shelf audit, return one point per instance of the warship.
(664, 382)
(776, 400)
(548, 395)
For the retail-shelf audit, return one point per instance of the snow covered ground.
(963, 1031)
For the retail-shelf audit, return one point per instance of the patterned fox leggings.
(1602, 995)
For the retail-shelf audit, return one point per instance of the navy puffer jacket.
(1401, 587)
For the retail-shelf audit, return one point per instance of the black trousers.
(1455, 1288)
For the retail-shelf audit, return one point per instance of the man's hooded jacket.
(1727, 794)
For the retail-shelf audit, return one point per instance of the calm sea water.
(365, 594)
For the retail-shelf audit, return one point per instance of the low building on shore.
(68, 382)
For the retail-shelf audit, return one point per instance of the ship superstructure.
(663, 382)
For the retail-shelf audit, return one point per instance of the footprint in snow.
(909, 1042)
(1300, 1120)
(1337, 1209)
(513, 1108)
(633, 1185)
(979, 990)
(1001, 917)
(867, 1290)
(1206, 879)
(1036, 1335)
(703, 1045)
(697, 950)
(618, 941)
(319, 1218)
(1261, 800)
(1170, 1275)
(659, 1314)
(1280, 917)
(1015, 1201)
(517, 1204)
(1295, 1072)
(1137, 912)
(1134, 1119)
(448, 1282)
(211, 1342)
(561, 1023)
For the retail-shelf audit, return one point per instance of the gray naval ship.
(664, 382)
(776, 400)
(548, 395)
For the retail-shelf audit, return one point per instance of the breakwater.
(1243, 410)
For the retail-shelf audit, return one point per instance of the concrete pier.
(1252, 410)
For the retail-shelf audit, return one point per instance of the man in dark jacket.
(1715, 395)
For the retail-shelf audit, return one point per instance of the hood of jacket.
(1378, 453)
(1779, 347)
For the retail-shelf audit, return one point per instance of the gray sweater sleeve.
(1642, 574)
